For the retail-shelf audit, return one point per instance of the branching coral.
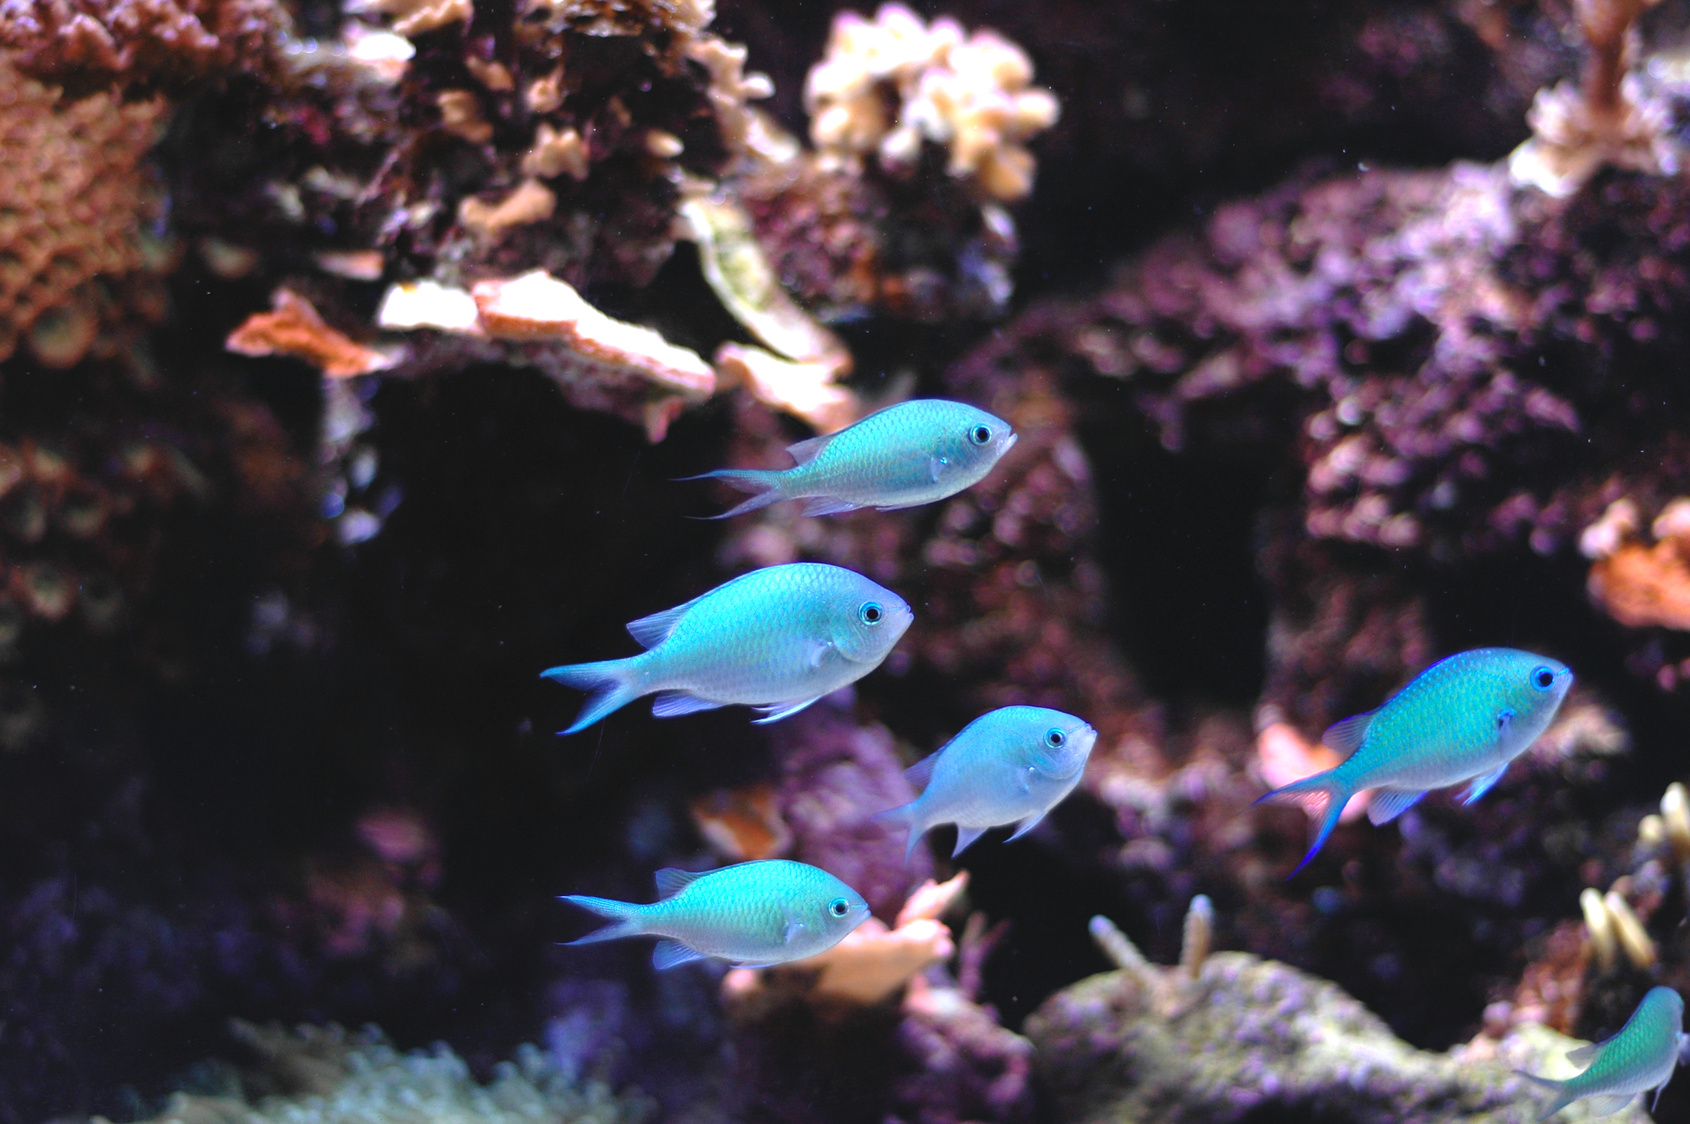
(147, 43)
(296, 329)
(1606, 119)
(968, 93)
(76, 195)
(329, 1077)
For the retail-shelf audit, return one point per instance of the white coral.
(971, 93)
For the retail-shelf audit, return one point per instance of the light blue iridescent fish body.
(778, 639)
(754, 914)
(1641, 1056)
(1010, 765)
(913, 453)
(1461, 720)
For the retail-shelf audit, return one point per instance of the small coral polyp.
(971, 94)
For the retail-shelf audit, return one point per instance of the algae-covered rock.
(1251, 1039)
(325, 1076)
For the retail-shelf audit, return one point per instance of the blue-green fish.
(752, 914)
(1461, 720)
(1009, 765)
(903, 456)
(1641, 1056)
(778, 639)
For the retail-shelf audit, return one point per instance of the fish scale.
(766, 912)
(1641, 1056)
(1461, 720)
(914, 453)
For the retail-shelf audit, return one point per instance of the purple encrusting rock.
(835, 776)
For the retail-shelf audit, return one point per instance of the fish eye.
(1055, 738)
(981, 435)
(871, 613)
(1543, 678)
(839, 907)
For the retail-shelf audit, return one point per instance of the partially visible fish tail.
(1310, 792)
(766, 483)
(1564, 1096)
(610, 683)
(625, 914)
(904, 816)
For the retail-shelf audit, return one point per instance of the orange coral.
(97, 43)
(294, 328)
(1637, 584)
(75, 189)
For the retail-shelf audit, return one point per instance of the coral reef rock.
(325, 1076)
(1248, 1037)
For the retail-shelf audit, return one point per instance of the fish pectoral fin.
(1386, 804)
(1584, 1054)
(936, 467)
(1482, 785)
(1609, 1103)
(818, 653)
(668, 954)
(671, 880)
(1345, 737)
(921, 773)
(794, 930)
(828, 505)
(774, 712)
(965, 836)
(668, 704)
(1027, 825)
(655, 629)
(803, 452)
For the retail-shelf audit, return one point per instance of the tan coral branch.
(295, 329)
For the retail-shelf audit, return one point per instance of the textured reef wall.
(349, 359)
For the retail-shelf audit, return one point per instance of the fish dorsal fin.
(655, 629)
(806, 451)
(1345, 737)
(921, 773)
(1584, 1054)
(672, 880)
(668, 954)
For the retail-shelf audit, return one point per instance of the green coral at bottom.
(1245, 1039)
(322, 1075)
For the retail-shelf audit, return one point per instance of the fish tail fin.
(904, 816)
(765, 483)
(626, 916)
(1311, 793)
(1563, 1095)
(610, 684)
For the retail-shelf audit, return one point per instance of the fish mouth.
(1010, 443)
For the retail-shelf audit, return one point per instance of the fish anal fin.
(1345, 737)
(964, 837)
(655, 629)
(1027, 825)
(671, 880)
(828, 505)
(774, 712)
(1386, 804)
(1584, 1054)
(668, 704)
(921, 773)
(803, 452)
(1482, 785)
(1609, 1103)
(669, 954)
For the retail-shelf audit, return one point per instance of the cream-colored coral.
(556, 152)
(531, 202)
(460, 114)
(971, 94)
(1604, 119)
(413, 17)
